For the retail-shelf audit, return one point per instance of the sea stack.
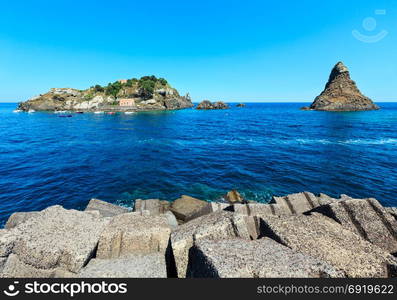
(342, 94)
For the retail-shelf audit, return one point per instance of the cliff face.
(147, 93)
(342, 94)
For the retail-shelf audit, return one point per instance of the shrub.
(151, 78)
(88, 96)
(162, 81)
(146, 83)
(130, 82)
(147, 86)
(98, 88)
(113, 88)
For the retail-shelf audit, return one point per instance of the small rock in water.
(234, 197)
(206, 104)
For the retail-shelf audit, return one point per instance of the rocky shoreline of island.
(297, 235)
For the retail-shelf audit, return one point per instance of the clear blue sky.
(220, 50)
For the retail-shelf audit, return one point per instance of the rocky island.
(144, 94)
(297, 235)
(341, 94)
(206, 104)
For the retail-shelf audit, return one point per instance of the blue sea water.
(261, 150)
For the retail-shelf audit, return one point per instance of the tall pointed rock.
(341, 93)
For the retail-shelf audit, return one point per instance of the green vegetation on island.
(147, 84)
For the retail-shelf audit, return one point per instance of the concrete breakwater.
(298, 235)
